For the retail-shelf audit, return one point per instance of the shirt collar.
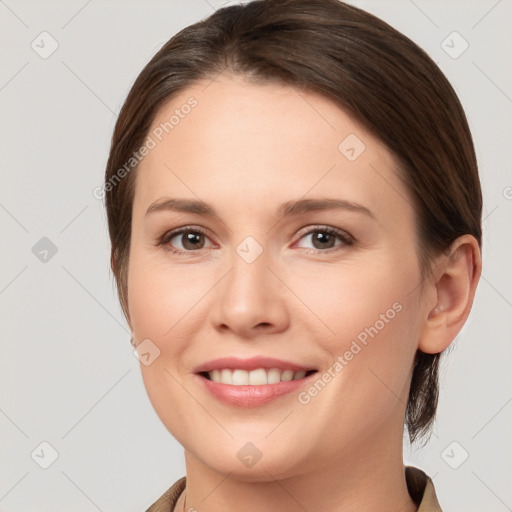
(421, 489)
(419, 485)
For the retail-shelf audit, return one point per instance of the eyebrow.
(287, 209)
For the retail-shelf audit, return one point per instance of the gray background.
(67, 373)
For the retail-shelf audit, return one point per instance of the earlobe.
(455, 280)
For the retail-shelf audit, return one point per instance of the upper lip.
(252, 363)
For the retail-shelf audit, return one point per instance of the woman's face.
(304, 251)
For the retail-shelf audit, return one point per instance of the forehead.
(230, 136)
(269, 118)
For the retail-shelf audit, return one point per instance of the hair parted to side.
(362, 64)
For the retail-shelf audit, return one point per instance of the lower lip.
(251, 396)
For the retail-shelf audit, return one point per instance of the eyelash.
(346, 239)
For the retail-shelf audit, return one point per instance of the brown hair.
(359, 62)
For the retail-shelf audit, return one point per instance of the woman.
(294, 209)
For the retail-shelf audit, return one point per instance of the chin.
(252, 461)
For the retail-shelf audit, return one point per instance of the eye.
(189, 239)
(184, 240)
(323, 238)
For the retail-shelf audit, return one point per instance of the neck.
(369, 476)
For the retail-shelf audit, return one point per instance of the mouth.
(256, 377)
(254, 388)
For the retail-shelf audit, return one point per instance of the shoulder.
(168, 500)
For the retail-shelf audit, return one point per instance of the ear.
(452, 288)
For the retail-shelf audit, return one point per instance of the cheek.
(351, 299)
(146, 302)
(376, 381)
(370, 325)
(169, 306)
(161, 308)
(160, 298)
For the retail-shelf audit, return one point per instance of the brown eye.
(322, 238)
(191, 240)
(184, 240)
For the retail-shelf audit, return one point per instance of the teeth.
(274, 376)
(226, 376)
(256, 377)
(240, 377)
(287, 375)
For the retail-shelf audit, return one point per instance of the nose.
(250, 300)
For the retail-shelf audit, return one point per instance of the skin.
(245, 149)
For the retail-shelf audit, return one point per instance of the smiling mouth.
(257, 377)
